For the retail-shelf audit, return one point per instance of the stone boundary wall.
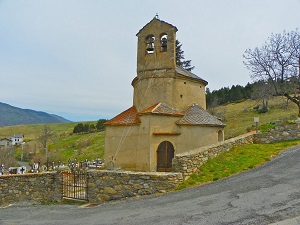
(34, 187)
(103, 185)
(280, 133)
(189, 162)
(106, 185)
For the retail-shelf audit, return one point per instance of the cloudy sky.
(77, 58)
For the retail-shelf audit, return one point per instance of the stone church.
(168, 115)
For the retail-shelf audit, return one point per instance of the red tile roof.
(193, 115)
(128, 117)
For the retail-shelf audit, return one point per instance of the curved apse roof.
(195, 115)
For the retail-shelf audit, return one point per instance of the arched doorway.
(165, 154)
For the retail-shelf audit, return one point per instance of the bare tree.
(44, 137)
(7, 157)
(211, 107)
(278, 62)
(263, 91)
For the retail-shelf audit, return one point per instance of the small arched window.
(150, 44)
(164, 42)
(220, 136)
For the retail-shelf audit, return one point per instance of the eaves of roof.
(161, 109)
(189, 75)
(155, 19)
(128, 117)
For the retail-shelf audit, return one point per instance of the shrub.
(266, 127)
(263, 110)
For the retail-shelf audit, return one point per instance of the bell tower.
(168, 114)
(156, 64)
(156, 48)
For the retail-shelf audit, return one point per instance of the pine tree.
(185, 64)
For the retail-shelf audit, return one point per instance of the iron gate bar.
(75, 185)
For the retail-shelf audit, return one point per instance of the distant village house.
(7, 143)
(17, 139)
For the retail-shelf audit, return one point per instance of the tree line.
(227, 94)
(89, 128)
(259, 90)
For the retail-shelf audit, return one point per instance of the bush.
(263, 110)
(266, 127)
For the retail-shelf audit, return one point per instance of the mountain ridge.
(11, 115)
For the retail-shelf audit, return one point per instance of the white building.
(17, 139)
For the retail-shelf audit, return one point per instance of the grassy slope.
(30, 131)
(64, 146)
(239, 116)
(236, 160)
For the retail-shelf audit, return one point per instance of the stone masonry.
(108, 185)
(280, 133)
(35, 187)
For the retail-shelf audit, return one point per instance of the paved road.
(263, 195)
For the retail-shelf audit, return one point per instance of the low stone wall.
(280, 133)
(189, 162)
(105, 185)
(30, 187)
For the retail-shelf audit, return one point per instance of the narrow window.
(164, 43)
(150, 44)
(220, 136)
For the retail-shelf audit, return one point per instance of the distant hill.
(10, 116)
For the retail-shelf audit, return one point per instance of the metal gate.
(75, 185)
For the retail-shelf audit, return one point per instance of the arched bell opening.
(164, 42)
(165, 154)
(150, 44)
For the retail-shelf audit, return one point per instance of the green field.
(63, 146)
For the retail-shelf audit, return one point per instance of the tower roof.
(189, 74)
(156, 20)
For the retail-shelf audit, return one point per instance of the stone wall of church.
(158, 59)
(177, 92)
(121, 146)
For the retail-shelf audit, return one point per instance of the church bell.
(150, 44)
(164, 44)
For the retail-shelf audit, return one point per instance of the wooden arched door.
(165, 154)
